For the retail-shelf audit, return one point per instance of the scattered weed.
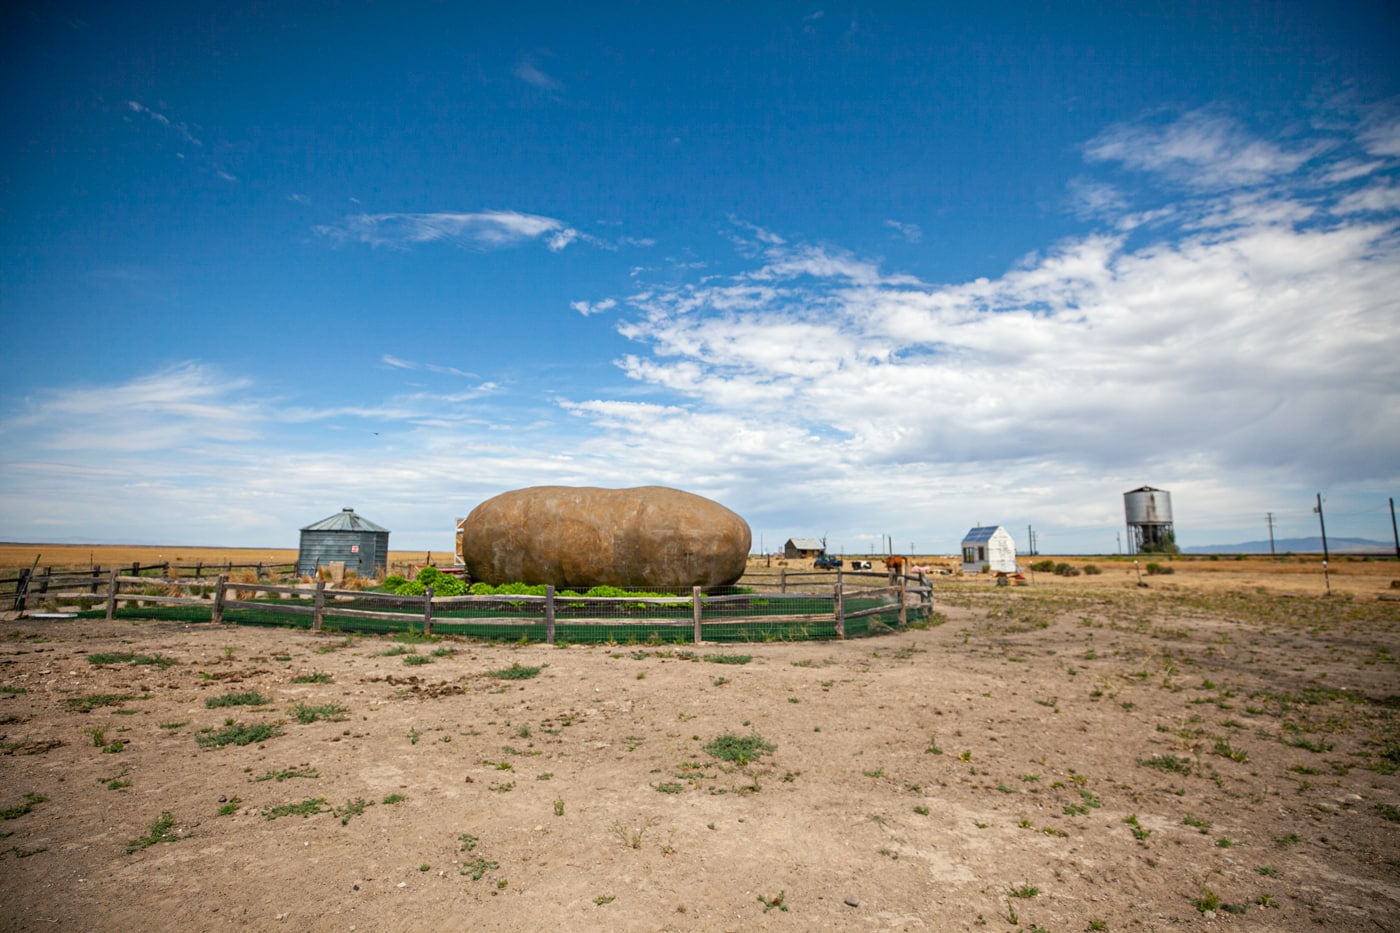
(739, 749)
(248, 698)
(331, 712)
(30, 802)
(516, 671)
(770, 903)
(316, 677)
(234, 733)
(162, 830)
(309, 807)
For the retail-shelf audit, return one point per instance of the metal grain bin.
(358, 542)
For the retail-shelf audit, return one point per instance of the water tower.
(1149, 513)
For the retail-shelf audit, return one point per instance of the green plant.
(739, 749)
(770, 903)
(162, 830)
(237, 734)
(602, 899)
(308, 807)
(89, 703)
(1139, 833)
(631, 837)
(316, 677)
(1169, 763)
(229, 807)
(31, 801)
(288, 774)
(415, 659)
(478, 867)
(248, 698)
(1268, 871)
(558, 806)
(668, 788)
(351, 809)
(729, 658)
(1025, 890)
(1208, 901)
(331, 712)
(392, 799)
(516, 671)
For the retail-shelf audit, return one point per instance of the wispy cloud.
(906, 231)
(181, 130)
(396, 363)
(597, 307)
(481, 230)
(529, 71)
(1202, 149)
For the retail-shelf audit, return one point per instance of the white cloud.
(1203, 149)
(480, 230)
(597, 307)
(906, 231)
(1236, 346)
(529, 71)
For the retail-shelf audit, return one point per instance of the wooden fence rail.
(318, 600)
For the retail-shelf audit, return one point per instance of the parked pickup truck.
(826, 562)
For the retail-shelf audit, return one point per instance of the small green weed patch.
(126, 657)
(739, 749)
(247, 698)
(236, 733)
(162, 830)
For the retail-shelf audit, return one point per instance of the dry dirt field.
(1216, 750)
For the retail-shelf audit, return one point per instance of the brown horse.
(896, 564)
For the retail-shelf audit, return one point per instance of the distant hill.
(1311, 545)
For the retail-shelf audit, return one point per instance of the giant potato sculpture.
(581, 536)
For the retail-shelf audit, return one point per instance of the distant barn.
(803, 548)
(345, 538)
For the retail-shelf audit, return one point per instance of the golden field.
(1298, 575)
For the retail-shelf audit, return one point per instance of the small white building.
(988, 548)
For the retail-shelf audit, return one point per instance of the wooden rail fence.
(320, 600)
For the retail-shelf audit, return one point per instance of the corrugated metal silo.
(1149, 515)
(362, 545)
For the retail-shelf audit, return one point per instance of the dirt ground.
(1209, 751)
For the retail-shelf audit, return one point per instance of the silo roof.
(345, 520)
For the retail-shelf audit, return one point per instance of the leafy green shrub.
(393, 581)
(1066, 570)
(1093, 570)
(1155, 569)
(1043, 566)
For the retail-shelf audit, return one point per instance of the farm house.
(988, 548)
(345, 538)
(803, 548)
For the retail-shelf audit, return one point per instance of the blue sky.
(852, 271)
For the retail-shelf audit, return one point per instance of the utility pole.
(1395, 534)
(1271, 534)
(1030, 540)
(1323, 525)
(1118, 536)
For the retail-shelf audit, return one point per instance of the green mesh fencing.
(749, 617)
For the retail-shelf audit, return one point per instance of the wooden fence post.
(549, 614)
(428, 610)
(218, 613)
(136, 568)
(22, 587)
(96, 575)
(782, 579)
(697, 610)
(838, 610)
(318, 605)
(903, 610)
(112, 597)
(198, 569)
